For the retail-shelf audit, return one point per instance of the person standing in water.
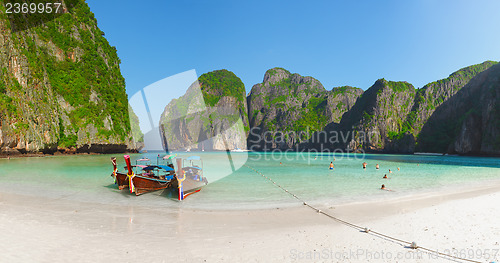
(331, 166)
(364, 165)
(390, 171)
(377, 167)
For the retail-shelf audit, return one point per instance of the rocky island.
(61, 89)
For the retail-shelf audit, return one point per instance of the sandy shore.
(37, 230)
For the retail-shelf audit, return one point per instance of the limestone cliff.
(377, 115)
(285, 109)
(432, 95)
(390, 116)
(469, 122)
(211, 115)
(60, 85)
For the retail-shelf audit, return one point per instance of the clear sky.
(337, 42)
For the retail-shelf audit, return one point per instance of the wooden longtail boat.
(188, 179)
(152, 178)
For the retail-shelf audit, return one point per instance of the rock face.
(286, 109)
(390, 117)
(469, 122)
(60, 86)
(377, 115)
(459, 114)
(432, 95)
(210, 116)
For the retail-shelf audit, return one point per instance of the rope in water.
(366, 230)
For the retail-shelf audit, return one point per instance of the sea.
(235, 184)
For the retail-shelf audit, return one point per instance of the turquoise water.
(86, 178)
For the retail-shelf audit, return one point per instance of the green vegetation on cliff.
(220, 83)
(294, 104)
(286, 90)
(186, 123)
(468, 121)
(224, 83)
(432, 95)
(65, 56)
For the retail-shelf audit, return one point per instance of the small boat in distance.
(238, 150)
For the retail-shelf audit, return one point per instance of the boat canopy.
(169, 157)
(192, 167)
(190, 158)
(166, 168)
(152, 167)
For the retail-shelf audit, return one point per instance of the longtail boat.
(150, 178)
(187, 180)
(190, 177)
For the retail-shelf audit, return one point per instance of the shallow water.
(86, 178)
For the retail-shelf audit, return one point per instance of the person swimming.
(377, 167)
(331, 166)
(398, 168)
(280, 163)
(364, 165)
(390, 171)
(385, 188)
(385, 177)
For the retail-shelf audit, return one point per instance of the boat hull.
(143, 184)
(121, 180)
(190, 185)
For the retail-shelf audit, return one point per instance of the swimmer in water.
(385, 177)
(364, 165)
(377, 167)
(280, 163)
(331, 166)
(390, 171)
(386, 189)
(398, 168)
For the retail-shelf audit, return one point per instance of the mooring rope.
(364, 229)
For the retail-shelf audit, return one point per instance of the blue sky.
(337, 42)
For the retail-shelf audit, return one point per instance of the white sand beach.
(463, 223)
